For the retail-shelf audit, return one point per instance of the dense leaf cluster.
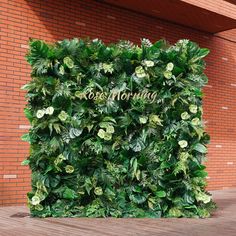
(122, 157)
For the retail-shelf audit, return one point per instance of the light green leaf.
(25, 162)
(200, 148)
(25, 137)
(160, 194)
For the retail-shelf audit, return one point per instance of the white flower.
(148, 63)
(185, 115)
(61, 70)
(49, 110)
(169, 66)
(40, 114)
(104, 135)
(101, 133)
(167, 74)
(35, 200)
(183, 143)
(193, 108)
(195, 121)
(143, 119)
(69, 169)
(63, 116)
(140, 72)
(98, 191)
(203, 197)
(110, 129)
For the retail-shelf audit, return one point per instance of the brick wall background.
(55, 20)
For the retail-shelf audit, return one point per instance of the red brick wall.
(55, 20)
(219, 6)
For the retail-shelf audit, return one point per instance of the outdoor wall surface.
(55, 20)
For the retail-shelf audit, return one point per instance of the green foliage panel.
(117, 130)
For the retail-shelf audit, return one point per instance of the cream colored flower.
(105, 135)
(69, 169)
(195, 121)
(63, 116)
(40, 114)
(148, 63)
(169, 66)
(140, 72)
(193, 108)
(203, 197)
(49, 110)
(98, 191)
(185, 115)
(35, 200)
(143, 119)
(167, 74)
(183, 143)
(101, 133)
(110, 129)
(61, 70)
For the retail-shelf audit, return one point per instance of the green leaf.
(28, 114)
(160, 194)
(73, 133)
(25, 137)
(200, 173)
(202, 53)
(137, 198)
(69, 194)
(26, 87)
(25, 162)
(200, 148)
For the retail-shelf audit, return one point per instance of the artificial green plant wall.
(117, 130)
